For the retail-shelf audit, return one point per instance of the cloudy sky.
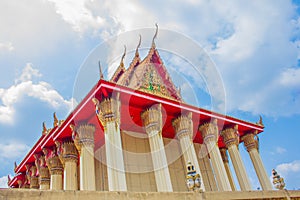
(255, 46)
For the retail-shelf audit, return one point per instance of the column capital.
(66, 151)
(108, 110)
(152, 119)
(224, 155)
(209, 131)
(231, 136)
(83, 135)
(53, 162)
(250, 141)
(183, 126)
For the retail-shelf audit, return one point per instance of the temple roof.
(149, 75)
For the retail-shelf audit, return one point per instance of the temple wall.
(101, 170)
(138, 162)
(206, 170)
(25, 194)
(176, 165)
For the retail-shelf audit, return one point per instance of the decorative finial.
(15, 166)
(100, 71)
(278, 181)
(155, 35)
(260, 122)
(44, 129)
(123, 56)
(138, 46)
(55, 122)
(8, 179)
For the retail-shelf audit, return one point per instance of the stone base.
(21, 194)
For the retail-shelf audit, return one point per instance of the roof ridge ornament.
(155, 35)
(138, 46)
(100, 71)
(55, 122)
(123, 56)
(44, 129)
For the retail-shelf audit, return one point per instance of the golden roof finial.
(260, 122)
(123, 56)
(55, 123)
(44, 129)
(100, 71)
(15, 166)
(155, 35)
(138, 46)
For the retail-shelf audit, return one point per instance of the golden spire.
(138, 46)
(15, 166)
(55, 123)
(44, 129)
(260, 122)
(123, 56)
(155, 35)
(100, 71)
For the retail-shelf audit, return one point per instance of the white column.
(231, 140)
(109, 116)
(224, 155)
(69, 158)
(84, 142)
(152, 121)
(55, 167)
(183, 126)
(210, 136)
(251, 143)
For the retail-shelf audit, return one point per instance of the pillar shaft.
(69, 157)
(183, 126)
(206, 169)
(251, 143)
(210, 135)
(152, 120)
(231, 139)
(110, 119)
(55, 167)
(44, 174)
(224, 155)
(84, 142)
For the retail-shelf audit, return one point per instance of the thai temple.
(135, 133)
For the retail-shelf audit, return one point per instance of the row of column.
(57, 168)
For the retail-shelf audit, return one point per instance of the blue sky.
(255, 46)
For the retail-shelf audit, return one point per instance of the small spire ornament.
(278, 181)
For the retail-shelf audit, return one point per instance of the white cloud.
(291, 173)
(12, 150)
(3, 182)
(292, 167)
(77, 14)
(280, 150)
(25, 86)
(6, 46)
(290, 77)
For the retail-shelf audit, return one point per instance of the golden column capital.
(83, 135)
(183, 126)
(231, 136)
(67, 151)
(152, 119)
(53, 162)
(108, 110)
(44, 175)
(31, 176)
(250, 141)
(224, 155)
(209, 131)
